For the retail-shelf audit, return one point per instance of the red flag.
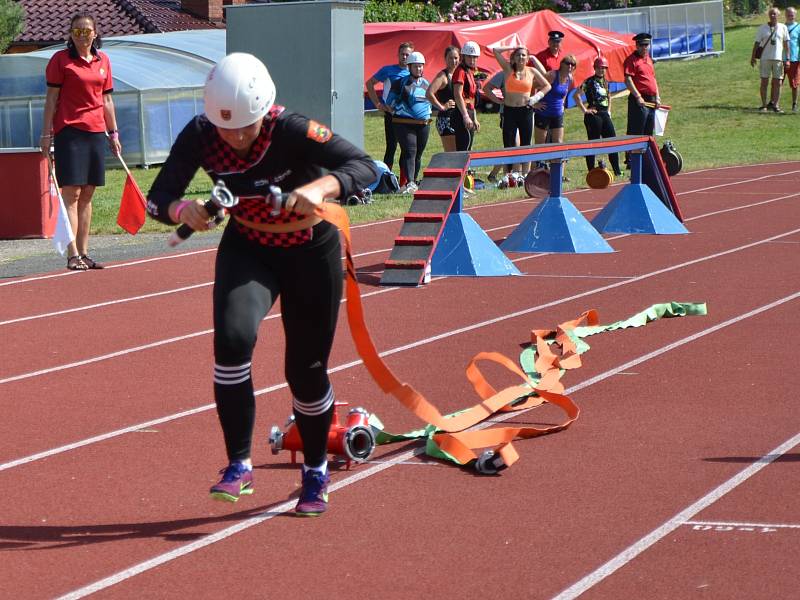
(131, 207)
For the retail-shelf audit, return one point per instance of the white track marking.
(117, 266)
(380, 251)
(108, 303)
(402, 458)
(393, 220)
(634, 550)
(754, 525)
(425, 341)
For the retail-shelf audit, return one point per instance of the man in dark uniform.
(548, 59)
(640, 79)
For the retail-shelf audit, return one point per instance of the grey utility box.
(314, 52)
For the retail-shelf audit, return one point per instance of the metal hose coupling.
(490, 463)
(353, 439)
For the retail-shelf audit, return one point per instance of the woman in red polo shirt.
(78, 111)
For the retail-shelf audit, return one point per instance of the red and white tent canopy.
(586, 43)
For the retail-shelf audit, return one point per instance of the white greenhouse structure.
(158, 88)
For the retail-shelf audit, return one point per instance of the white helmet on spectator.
(239, 91)
(415, 58)
(471, 49)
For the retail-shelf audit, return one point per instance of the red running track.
(677, 480)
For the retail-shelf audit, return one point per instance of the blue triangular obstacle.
(465, 249)
(555, 225)
(636, 209)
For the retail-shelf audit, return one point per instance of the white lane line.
(125, 264)
(497, 319)
(362, 254)
(635, 549)
(355, 478)
(393, 220)
(108, 303)
(416, 344)
(742, 525)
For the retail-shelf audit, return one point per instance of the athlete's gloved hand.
(305, 199)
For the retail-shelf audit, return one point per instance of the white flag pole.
(63, 235)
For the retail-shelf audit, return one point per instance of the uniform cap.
(642, 37)
(555, 35)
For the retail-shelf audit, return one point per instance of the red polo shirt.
(82, 85)
(640, 70)
(550, 62)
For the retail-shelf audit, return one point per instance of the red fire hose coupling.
(352, 439)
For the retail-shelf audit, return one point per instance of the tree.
(12, 22)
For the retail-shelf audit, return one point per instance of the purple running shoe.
(314, 495)
(237, 480)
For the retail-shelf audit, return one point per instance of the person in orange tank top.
(524, 87)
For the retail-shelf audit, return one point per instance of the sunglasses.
(82, 31)
(571, 64)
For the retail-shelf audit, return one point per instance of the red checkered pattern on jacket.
(220, 158)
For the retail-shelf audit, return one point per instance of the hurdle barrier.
(438, 237)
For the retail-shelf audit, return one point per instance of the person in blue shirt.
(386, 76)
(411, 117)
(549, 111)
(793, 72)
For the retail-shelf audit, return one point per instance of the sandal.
(75, 263)
(90, 263)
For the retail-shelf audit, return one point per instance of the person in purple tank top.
(549, 112)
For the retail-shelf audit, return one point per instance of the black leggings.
(464, 136)
(517, 118)
(391, 141)
(599, 125)
(249, 277)
(412, 139)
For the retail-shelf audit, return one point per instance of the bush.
(376, 11)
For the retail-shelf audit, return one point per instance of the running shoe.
(777, 109)
(410, 188)
(237, 480)
(314, 495)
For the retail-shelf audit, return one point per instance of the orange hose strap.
(459, 445)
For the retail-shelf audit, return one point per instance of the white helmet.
(239, 91)
(415, 58)
(471, 49)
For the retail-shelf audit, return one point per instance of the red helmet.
(601, 61)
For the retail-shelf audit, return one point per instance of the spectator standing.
(640, 79)
(549, 59)
(386, 76)
(440, 95)
(549, 111)
(772, 41)
(250, 143)
(78, 118)
(411, 117)
(465, 93)
(496, 83)
(597, 110)
(524, 87)
(793, 28)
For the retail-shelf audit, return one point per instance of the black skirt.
(80, 157)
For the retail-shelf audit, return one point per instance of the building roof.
(47, 21)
